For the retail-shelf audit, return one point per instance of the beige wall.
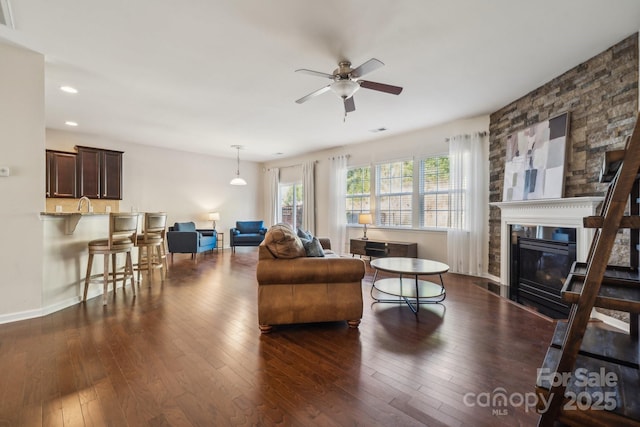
(22, 150)
(424, 142)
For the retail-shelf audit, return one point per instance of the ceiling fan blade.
(367, 67)
(349, 105)
(313, 94)
(315, 73)
(394, 90)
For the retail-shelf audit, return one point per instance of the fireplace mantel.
(566, 212)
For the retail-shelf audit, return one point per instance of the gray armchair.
(184, 238)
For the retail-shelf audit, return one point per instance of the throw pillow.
(313, 248)
(283, 242)
(305, 235)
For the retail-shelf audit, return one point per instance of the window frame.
(351, 217)
(405, 191)
(294, 185)
(446, 193)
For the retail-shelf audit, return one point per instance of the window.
(291, 204)
(358, 197)
(394, 194)
(434, 193)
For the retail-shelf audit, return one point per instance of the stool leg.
(105, 278)
(163, 272)
(129, 270)
(113, 272)
(87, 279)
(149, 264)
(139, 262)
(164, 258)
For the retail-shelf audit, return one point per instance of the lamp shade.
(365, 219)
(238, 181)
(214, 216)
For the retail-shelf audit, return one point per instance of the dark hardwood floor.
(188, 352)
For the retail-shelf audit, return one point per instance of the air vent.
(6, 17)
(381, 129)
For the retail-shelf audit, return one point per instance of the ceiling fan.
(346, 82)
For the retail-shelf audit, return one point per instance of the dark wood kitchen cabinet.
(99, 173)
(60, 174)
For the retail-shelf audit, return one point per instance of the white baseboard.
(61, 305)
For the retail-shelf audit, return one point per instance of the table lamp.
(365, 219)
(214, 216)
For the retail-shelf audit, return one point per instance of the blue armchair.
(247, 233)
(184, 238)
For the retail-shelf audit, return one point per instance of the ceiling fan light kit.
(346, 82)
(345, 88)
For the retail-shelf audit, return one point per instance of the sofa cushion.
(312, 247)
(184, 226)
(283, 242)
(249, 226)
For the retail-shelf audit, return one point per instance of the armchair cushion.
(184, 226)
(248, 227)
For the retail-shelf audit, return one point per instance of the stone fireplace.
(560, 213)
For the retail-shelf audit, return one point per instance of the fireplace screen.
(541, 265)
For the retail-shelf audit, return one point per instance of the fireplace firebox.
(541, 259)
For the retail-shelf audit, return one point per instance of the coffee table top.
(409, 265)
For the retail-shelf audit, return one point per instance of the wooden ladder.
(590, 375)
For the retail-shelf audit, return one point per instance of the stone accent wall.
(601, 96)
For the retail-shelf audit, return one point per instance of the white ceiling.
(201, 75)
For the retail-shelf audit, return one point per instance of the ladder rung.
(632, 222)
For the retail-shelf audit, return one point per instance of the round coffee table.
(413, 291)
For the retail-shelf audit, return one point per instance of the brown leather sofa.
(308, 289)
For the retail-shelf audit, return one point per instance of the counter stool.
(123, 228)
(152, 253)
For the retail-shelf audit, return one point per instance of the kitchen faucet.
(82, 199)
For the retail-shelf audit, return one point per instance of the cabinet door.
(357, 247)
(89, 172)
(61, 174)
(111, 184)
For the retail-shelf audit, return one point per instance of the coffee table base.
(412, 291)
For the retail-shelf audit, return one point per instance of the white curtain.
(468, 203)
(309, 196)
(337, 211)
(273, 197)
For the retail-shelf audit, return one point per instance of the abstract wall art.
(535, 161)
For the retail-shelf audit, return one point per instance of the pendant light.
(237, 180)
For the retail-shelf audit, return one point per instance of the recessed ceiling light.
(68, 89)
(70, 123)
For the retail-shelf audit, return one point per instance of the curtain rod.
(290, 166)
(483, 133)
(333, 157)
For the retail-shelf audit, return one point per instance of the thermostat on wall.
(5, 171)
